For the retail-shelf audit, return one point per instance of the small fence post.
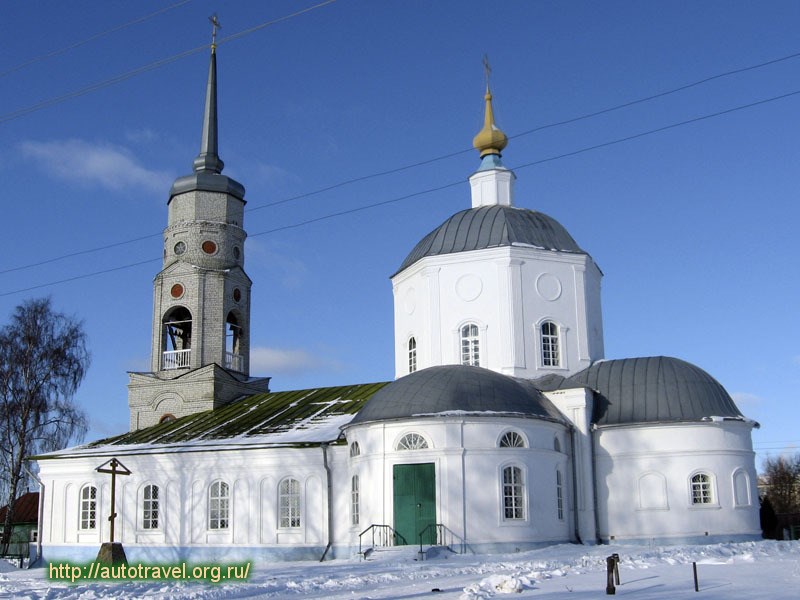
(610, 589)
(616, 567)
(696, 583)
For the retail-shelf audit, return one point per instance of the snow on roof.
(298, 417)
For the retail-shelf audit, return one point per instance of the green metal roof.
(282, 415)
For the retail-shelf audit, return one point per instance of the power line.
(148, 67)
(442, 187)
(437, 158)
(96, 36)
(242, 33)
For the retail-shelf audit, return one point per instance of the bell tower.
(200, 357)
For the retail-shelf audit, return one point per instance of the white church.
(504, 430)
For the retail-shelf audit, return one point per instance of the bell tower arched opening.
(234, 358)
(177, 339)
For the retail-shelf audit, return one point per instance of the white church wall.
(507, 292)
(577, 405)
(468, 470)
(644, 482)
(253, 531)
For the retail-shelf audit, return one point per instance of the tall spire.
(208, 159)
(489, 140)
(207, 167)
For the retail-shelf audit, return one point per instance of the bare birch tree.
(43, 359)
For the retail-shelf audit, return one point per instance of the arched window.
(177, 342)
(354, 500)
(512, 439)
(412, 355)
(556, 444)
(513, 494)
(88, 507)
(355, 449)
(551, 353)
(289, 503)
(219, 505)
(702, 489)
(151, 504)
(234, 360)
(470, 345)
(412, 441)
(560, 495)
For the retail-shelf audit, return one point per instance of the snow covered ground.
(754, 570)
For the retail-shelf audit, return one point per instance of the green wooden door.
(414, 503)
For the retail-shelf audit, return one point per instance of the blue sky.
(694, 226)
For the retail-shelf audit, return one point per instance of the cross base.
(112, 554)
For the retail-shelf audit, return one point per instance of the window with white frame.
(551, 353)
(513, 494)
(219, 505)
(560, 495)
(702, 489)
(412, 355)
(470, 345)
(512, 439)
(412, 441)
(151, 504)
(88, 507)
(289, 503)
(355, 449)
(354, 500)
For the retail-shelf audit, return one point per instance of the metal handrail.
(442, 532)
(386, 537)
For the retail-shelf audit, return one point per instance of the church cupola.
(497, 286)
(492, 184)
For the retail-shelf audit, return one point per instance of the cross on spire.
(486, 69)
(215, 24)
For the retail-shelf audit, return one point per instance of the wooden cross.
(117, 468)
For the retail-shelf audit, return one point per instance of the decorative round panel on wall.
(209, 247)
(176, 291)
(469, 287)
(410, 301)
(548, 286)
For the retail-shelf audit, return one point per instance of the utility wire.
(427, 161)
(445, 186)
(148, 67)
(96, 36)
(423, 162)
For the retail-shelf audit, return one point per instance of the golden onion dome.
(490, 139)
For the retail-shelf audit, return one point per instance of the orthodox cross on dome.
(487, 70)
(215, 24)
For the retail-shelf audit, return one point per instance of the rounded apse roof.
(455, 390)
(493, 226)
(653, 389)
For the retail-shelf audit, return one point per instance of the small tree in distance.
(781, 480)
(43, 359)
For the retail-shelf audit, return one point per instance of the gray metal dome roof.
(653, 389)
(493, 226)
(455, 389)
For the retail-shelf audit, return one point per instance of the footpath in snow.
(755, 570)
